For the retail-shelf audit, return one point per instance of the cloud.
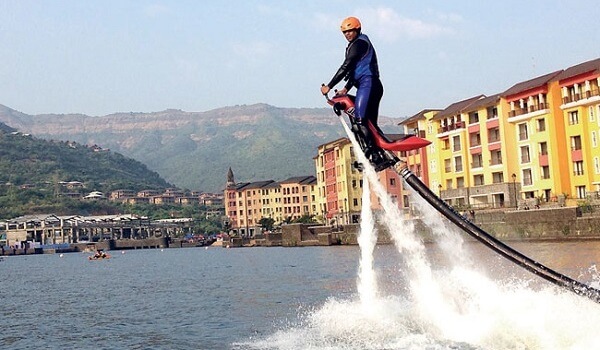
(388, 25)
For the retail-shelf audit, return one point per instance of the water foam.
(454, 306)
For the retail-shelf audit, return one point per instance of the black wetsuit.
(360, 69)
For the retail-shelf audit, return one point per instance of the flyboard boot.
(373, 153)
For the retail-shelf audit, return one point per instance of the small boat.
(99, 255)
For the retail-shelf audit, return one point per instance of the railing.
(453, 126)
(528, 109)
(581, 95)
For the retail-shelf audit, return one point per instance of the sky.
(99, 57)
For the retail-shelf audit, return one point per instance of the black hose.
(496, 245)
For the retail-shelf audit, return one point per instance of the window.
(525, 155)
(543, 148)
(447, 165)
(523, 132)
(594, 140)
(458, 166)
(473, 118)
(596, 165)
(541, 124)
(478, 180)
(446, 145)
(545, 172)
(475, 139)
(581, 192)
(492, 112)
(573, 118)
(578, 167)
(527, 178)
(392, 182)
(477, 161)
(591, 113)
(496, 157)
(575, 143)
(449, 184)
(493, 135)
(460, 182)
(498, 177)
(456, 143)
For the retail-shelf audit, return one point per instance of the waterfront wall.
(535, 224)
(556, 223)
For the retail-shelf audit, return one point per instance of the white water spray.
(432, 306)
(450, 307)
(367, 239)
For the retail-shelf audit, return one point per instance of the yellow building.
(470, 160)
(418, 161)
(297, 197)
(579, 112)
(451, 147)
(537, 134)
(533, 143)
(272, 200)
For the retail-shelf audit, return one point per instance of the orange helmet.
(350, 23)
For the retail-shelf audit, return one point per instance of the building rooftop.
(592, 66)
(530, 84)
(457, 107)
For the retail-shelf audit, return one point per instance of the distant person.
(360, 70)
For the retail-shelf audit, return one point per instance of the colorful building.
(340, 183)
(247, 203)
(537, 142)
(579, 111)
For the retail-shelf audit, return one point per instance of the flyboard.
(387, 159)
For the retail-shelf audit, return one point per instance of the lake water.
(295, 298)
(451, 294)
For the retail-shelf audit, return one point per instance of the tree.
(266, 223)
(305, 219)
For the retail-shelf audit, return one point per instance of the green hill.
(32, 172)
(194, 150)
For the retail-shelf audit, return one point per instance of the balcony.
(575, 97)
(543, 157)
(451, 127)
(529, 109)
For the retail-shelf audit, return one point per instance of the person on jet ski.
(360, 70)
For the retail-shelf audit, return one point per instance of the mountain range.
(194, 150)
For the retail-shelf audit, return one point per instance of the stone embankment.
(564, 223)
